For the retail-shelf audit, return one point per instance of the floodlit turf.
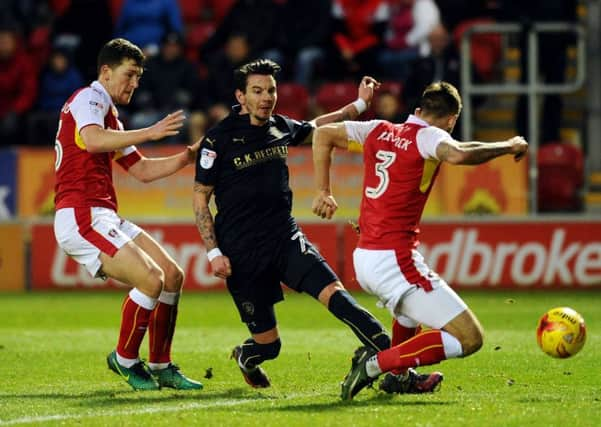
(53, 369)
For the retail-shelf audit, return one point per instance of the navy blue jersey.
(246, 165)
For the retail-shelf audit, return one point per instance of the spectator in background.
(302, 35)
(170, 83)
(387, 106)
(18, 85)
(220, 81)
(58, 80)
(256, 20)
(145, 22)
(84, 26)
(359, 27)
(407, 36)
(443, 64)
(26, 14)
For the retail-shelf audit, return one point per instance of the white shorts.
(83, 233)
(430, 302)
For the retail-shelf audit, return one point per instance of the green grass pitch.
(53, 370)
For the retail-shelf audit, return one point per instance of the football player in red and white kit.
(88, 228)
(401, 163)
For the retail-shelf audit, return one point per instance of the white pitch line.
(113, 413)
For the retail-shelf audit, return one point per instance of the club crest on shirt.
(207, 158)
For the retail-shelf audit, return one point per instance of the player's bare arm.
(99, 140)
(206, 227)
(475, 152)
(365, 94)
(151, 169)
(325, 139)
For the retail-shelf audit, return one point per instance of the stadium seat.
(196, 36)
(221, 8)
(560, 177)
(332, 95)
(191, 11)
(293, 101)
(485, 47)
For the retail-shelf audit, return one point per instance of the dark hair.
(441, 99)
(265, 67)
(115, 51)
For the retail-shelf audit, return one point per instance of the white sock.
(452, 346)
(157, 366)
(142, 299)
(128, 363)
(169, 298)
(372, 367)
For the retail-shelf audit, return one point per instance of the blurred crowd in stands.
(48, 49)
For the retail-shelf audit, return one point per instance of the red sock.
(134, 321)
(426, 348)
(160, 332)
(400, 333)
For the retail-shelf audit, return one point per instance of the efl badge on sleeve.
(207, 158)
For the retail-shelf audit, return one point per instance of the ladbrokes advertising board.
(52, 269)
(512, 255)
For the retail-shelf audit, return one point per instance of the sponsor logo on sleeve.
(96, 107)
(207, 158)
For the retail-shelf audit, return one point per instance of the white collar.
(416, 120)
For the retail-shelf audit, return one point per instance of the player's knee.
(174, 277)
(270, 351)
(472, 341)
(154, 281)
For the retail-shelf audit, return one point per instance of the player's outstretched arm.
(99, 140)
(151, 169)
(365, 94)
(475, 152)
(325, 139)
(220, 264)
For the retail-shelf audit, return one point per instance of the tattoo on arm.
(203, 216)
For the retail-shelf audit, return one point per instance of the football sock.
(366, 327)
(135, 314)
(254, 354)
(400, 333)
(426, 348)
(161, 328)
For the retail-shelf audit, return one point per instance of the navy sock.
(254, 354)
(367, 328)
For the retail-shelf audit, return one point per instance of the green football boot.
(137, 376)
(172, 377)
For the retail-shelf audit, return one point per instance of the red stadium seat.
(293, 101)
(196, 36)
(191, 10)
(333, 95)
(485, 47)
(560, 177)
(221, 8)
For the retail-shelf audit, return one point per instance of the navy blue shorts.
(255, 283)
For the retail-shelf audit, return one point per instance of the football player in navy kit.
(253, 242)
